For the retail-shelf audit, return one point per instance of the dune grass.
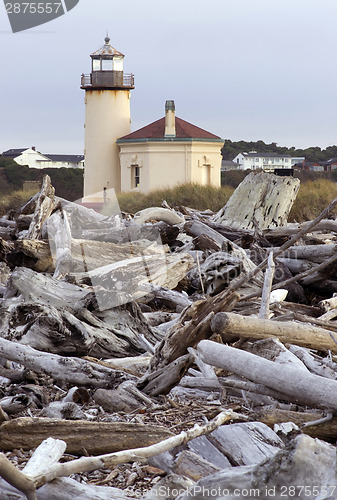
(14, 200)
(312, 198)
(189, 195)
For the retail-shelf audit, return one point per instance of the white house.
(265, 161)
(35, 159)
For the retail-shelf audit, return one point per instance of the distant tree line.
(68, 182)
(231, 149)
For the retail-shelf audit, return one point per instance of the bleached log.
(67, 489)
(262, 196)
(313, 253)
(158, 317)
(193, 326)
(161, 381)
(324, 430)
(171, 299)
(305, 387)
(59, 236)
(240, 281)
(43, 289)
(158, 213)
(45, 204)
(86, 254)
(296, 265)
(80, 436)
(72, 370)
(268, 280)
(61, 332)
(313, 363)
(214, 274)
(136, 365)
(272, 349)
(131, 279)
(304, 462)
(328, 304)
(286, 331)
(293, 228)
(191, 465)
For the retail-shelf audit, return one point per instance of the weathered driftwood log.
(328, 304)
(81, 436)
(45, 204)
(163, 297)
(191, 465)
(193, 326)
(304, 386)
(262, 196)
(313, 253)
(303, 463)
(136, 365)
(197, 228)
(272, 349)
(236, 285)
(72, 370)
(43, 289)
(163, 380)
(316, 364)
(130, 279)
(322, 430)
(326, 225)
(214, 274)
(34, 254)
(59, 236)
(65, 488)
(287, 331)
(61, 332)
(86, 254)
(268, 280)
(296, 265)
(44, 467)
(158, 213)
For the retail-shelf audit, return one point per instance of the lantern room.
(107, 70)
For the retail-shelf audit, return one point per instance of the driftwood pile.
(118, 333)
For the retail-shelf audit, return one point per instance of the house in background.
(35, 159)
(265, 161)
(321, 166)
(162, 154)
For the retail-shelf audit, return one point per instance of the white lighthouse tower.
(107, 117)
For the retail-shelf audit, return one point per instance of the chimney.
(170, 119)
(33, 148)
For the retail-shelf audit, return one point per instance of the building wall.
(168, 163)
(107, 117)
(60, 164)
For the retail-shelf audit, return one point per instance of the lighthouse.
(107, 117)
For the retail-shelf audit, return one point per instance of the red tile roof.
(156, 130)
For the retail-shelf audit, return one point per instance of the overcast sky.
(242, 69)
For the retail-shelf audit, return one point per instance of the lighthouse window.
(106, 64)
(96, 65)
(118, 63)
